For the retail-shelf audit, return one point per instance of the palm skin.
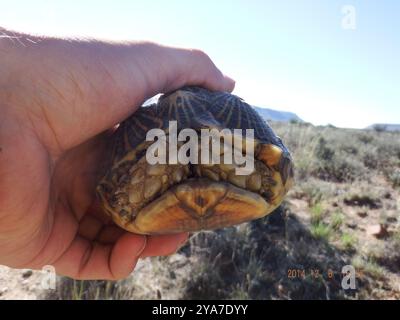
(59, 100)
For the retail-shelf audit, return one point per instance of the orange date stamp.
(315, 273)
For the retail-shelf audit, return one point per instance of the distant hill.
(275, 115)
(384, 127)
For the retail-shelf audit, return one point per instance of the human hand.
(59, 100)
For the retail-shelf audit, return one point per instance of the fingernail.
(182, 243)
(230, 83)
(143, 247)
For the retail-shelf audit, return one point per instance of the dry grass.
(346, 180)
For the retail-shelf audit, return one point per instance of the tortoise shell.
(154, 198)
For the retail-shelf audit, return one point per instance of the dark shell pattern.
(194, 107)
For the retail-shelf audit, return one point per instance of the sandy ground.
(150, 280)
(20, 284)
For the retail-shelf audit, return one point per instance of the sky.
(330, 62)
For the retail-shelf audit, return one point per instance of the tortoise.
(169, 198)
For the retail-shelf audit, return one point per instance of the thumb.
(80, 88)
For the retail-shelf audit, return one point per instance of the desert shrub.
(323, 142)
(348, 241)
(350, 149)
(302, 168)
(335, 157)
(387, 254)
(323, 151)
(368, 266)
(388, 151)
(337, 220)
(321, 231)
(340, 155)
(317, 212)
(314, 190)
(339, 169)
(370, 159)
(365, 138)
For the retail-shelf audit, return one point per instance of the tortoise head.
(206, 188)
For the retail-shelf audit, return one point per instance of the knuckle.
(200, 54)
